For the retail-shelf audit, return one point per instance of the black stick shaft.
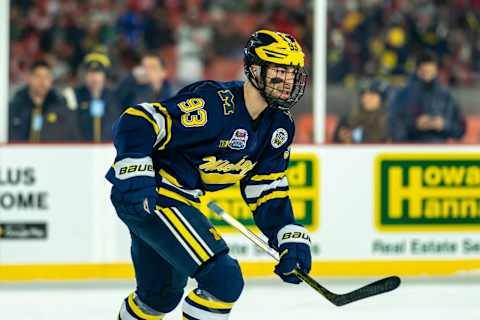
(372, 289)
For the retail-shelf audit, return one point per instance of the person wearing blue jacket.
(424, 111)
(38, 113)
(96, 103)
(146, 82)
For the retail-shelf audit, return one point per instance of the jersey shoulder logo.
(238, 141)
(279, 137)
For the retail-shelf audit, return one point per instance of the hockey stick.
(372, 289)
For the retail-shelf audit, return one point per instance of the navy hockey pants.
(167, 248)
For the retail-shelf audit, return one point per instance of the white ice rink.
(267, 300)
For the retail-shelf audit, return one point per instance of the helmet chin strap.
(260, 81)
(255, 80)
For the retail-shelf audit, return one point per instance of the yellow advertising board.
(427, 192)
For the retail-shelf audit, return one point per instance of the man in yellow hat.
(95, 102)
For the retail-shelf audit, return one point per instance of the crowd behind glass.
(71, 74)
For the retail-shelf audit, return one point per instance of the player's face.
(40, 81)
(280, 81)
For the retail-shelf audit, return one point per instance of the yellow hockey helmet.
(269, 49)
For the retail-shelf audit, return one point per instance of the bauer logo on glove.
(295, 235)
(294, 249)
(134, 168)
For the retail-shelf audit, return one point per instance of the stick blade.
(370, 290)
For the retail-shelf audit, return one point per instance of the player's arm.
(181, 121)
(266, 193)
(138, 131)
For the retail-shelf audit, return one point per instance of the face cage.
(297, 87)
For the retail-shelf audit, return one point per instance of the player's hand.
(139, 202)
(294, 249)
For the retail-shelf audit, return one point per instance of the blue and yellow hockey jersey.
(203, 139)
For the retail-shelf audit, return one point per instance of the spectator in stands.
(147, 82)
(38, 113)
(368, 122)
(424, 111)
(194, 39)
(95, 102)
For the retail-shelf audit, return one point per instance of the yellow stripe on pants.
(187, 235)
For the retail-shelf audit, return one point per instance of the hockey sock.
(134, 309)
(200, 305)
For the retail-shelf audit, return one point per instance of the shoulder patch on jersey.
(238, 141)
(279, 137)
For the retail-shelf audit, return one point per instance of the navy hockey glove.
(133, 180)
(294, 249)
(136, 202)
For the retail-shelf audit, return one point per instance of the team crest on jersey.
(238, 141)
(279, 137)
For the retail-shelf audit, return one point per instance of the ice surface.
(265, 300)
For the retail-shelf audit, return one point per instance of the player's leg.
(202, 254)
(219, 277)
(184, 238)
(159, 285)
(220, 284)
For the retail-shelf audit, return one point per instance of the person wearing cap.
(368, 122)
(95, 102)
(424, 111)
(38, 113)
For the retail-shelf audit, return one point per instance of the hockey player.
(209, 136)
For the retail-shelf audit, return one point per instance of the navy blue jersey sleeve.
(181, 121)
(184, 120)
(135, 134)
(265, 189)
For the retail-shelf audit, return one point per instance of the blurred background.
(147, 50)
(385, 168)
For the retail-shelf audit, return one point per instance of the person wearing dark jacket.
(38, 113)
(368, 122)
(147, 82)
(95, 103)
(424, 111)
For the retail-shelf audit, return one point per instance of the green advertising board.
(427, 192)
